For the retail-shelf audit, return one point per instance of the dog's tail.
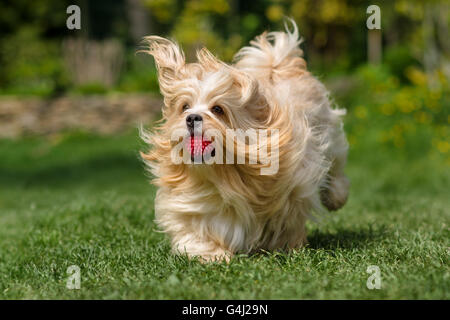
(273, 56)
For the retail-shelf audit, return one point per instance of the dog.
(215, 210)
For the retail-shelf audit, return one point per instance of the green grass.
(77, 199)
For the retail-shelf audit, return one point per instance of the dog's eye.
(185, 107)
(217, 110)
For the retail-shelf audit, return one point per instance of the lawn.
(79, 199)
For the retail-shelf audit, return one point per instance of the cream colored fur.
(214, 211)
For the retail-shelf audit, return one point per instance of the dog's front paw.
(205, 253)
(218, 255)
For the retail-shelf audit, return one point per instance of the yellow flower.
(387, 109)
(299, 9)
(331, 10)
(416, 76)
(361, 112)
(405, 102)
(443, 146)
(407, 106)
(274, 13)
(435, 94)
(422, 117)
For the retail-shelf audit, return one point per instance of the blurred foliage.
(411, 117)
(334, 33)
(30, 59)
(31, 65)
(140, 75)
(331, 28)
(407, 97)
(31, 34)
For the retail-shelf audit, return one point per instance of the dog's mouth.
(200, 147)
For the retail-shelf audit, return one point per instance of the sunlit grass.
(77, 199)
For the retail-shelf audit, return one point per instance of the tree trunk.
(374, 46)
(138, 20)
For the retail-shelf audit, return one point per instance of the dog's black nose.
(190, 119)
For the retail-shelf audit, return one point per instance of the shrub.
(413, 118)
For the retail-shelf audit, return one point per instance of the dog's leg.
(335, 188)
(218, 254)
(206, 250)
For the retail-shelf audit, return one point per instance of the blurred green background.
(406, 93)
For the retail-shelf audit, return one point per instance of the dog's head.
(204, 97)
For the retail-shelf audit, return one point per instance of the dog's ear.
(169, 59)
(252, 100)
(247, 84)
(208, 60)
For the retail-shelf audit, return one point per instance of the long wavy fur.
(213, 211)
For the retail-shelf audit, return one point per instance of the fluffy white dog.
(215, 209)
